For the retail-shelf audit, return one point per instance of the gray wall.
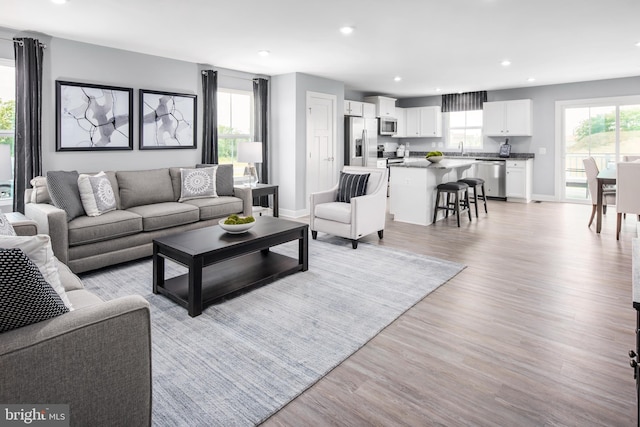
(544, 121)
(289, 134)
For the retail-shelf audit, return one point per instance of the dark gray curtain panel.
(261, 129)
(28, 140)
(210, 117)
(468, 101)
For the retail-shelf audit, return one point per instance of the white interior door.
(321, 142)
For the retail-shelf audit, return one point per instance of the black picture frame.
(167, 120)
(92, 117)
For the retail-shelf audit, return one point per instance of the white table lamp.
(250, 153)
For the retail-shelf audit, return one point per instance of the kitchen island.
(412, 186)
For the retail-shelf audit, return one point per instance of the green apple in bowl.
(434, 156)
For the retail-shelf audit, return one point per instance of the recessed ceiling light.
(59, 1)
(397, 78)
(505, 63)
(438, 89)
(346, 30)
(531, 79)
(263, 52)
(638, 44)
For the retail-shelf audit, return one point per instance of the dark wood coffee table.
(220, 263)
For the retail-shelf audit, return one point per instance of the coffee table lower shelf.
(229, 276)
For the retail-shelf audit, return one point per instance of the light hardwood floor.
(534, 332)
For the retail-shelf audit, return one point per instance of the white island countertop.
(442, 164)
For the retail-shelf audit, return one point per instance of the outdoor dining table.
(605, 177)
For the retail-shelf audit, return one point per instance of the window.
(7, 124)
(465, 127)
(606, 129)
(235, 120)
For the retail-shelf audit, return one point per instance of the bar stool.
(452, 189)
(475, 183)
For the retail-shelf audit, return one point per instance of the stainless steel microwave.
(387, 126)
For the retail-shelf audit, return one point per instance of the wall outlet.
(542, 150)
(440, 144)
(433, 144)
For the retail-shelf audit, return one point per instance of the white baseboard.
(293, 214)
(543, 198)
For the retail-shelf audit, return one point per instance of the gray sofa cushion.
(107, 226)
(224, 179)
(164, 215)
(217, 207)
(138, 188)
(63, 189)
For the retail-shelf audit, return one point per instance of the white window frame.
(249, 137)
(7, 132)
(454, 144)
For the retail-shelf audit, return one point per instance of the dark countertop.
(478, 155)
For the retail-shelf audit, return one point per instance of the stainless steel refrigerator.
(360, 141)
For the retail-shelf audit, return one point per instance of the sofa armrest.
(22, 225)
(51, 221)
(244, 193)
(96, 359)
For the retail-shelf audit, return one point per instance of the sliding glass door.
(606, 130)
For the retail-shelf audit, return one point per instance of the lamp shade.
(5, 163)
(250, 152)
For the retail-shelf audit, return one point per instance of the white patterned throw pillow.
(197, 183)
(6, 229)
(96, 194)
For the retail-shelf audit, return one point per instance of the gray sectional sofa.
(96, 358)
(147, 208)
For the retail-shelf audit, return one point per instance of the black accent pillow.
(64, 192)
(25, 297)
(224, 178)
(352, 185)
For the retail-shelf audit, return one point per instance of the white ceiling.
(455, 45)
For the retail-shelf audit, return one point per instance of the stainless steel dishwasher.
(494, 173)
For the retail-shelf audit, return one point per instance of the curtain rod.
(235, 77)
(21, 43)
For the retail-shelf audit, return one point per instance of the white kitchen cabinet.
(507, 118)
(423, 122)
(519, 180)
(368, 110)
(385, 107)
(401, 116)
(353, 108)
(430, 121)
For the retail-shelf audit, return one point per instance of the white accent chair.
(627, 191)
(608, 194)
(364, 215)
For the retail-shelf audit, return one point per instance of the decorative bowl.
(435, 159)
(235, 228)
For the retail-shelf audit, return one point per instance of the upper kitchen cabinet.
(368, 110)
(423, 122)
(401, 116)
(507, 118)
(353, 108)
(385, 107)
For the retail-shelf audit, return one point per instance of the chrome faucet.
(461, 147)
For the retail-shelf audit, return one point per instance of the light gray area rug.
(245, 358)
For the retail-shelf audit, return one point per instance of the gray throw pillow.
(144, 187)
(198, 183)
(63, 189)
(25, 297)
(224, 179)
(96, 194)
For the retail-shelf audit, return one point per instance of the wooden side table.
(264, 190)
